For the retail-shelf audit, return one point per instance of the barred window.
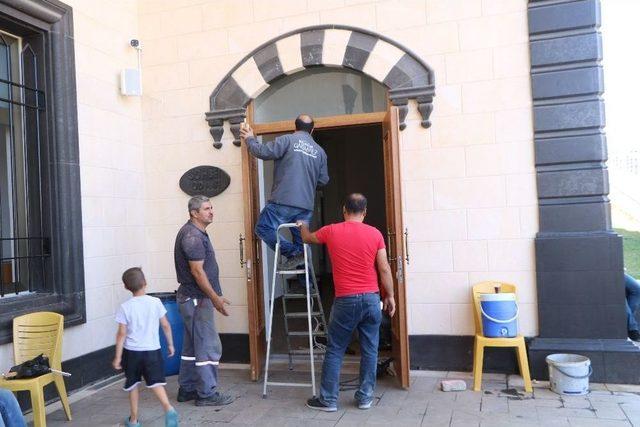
(23, 247)
(41, 259)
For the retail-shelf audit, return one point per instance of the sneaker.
(185, 396)
(315, 403)
(217, 399)
(365, 405)
(128, 423)
(171, 418)
(634, 335)
(291, 263)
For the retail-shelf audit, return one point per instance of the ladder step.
(290, 271)
(302, 314)
(299, 296)
(306, 334)
(288, 384)
(306, 352)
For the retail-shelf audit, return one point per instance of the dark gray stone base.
(455, 353)
(580, 286)
(613, 360)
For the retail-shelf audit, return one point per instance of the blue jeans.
(632, 291)
(272, 216)
(10, 412)
(361, 312)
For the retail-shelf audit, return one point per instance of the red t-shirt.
(352, 248)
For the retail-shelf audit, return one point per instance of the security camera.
(135, 43)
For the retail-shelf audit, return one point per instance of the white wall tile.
(430, 319)
(431, 226)
(430, 288)
(469, 192)
(511, 255)
(470, 256)
(430, 257)
(462, 322)
(493, 223)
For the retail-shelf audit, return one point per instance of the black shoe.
(292, 263)
(315, 403)
(634, 335)
(217, 399)
(185, 396)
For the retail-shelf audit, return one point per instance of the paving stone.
(425, 384)
(584, 422)
(464, 398)
(494, 405)
(575, 402)
(430, 374)
(632, 412)
(414, 408)
(597, 386)
(330, 416)
(610, 411)
(423, 404)
(550, 413)
(354, 418)
(460, 375)
(506, 420)
(544, 393)
(633, 388)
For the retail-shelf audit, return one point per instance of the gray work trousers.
(201, 347)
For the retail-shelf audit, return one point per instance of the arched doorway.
(366, 81)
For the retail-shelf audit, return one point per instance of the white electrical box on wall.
(130, 84)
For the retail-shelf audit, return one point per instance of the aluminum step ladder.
(314, 313)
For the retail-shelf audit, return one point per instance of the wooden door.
(250, 249)
(395, 244)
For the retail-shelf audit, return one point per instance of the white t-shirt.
(142, 316)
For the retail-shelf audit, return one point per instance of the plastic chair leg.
(62, 391)
(37, 403)
(478, 358)
(523, 363)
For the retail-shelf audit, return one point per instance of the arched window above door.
(320, 92)
(402, 73)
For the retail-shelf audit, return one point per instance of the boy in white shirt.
(138, 345)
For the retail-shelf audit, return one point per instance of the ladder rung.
(299, 296)
(306, 334)
(306, 352)
(289, 384)
(291, 271)
(302, 314)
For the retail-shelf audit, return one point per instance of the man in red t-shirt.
(358, 256)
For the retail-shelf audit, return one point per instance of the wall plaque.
(205, 180)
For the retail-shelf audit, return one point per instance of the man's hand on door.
(246, 131)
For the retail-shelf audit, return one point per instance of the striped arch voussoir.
(404, 74)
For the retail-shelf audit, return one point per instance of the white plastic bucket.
(569, 373)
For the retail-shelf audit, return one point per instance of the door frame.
(253, 260)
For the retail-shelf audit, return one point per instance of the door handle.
(241, 240)
(406, 245)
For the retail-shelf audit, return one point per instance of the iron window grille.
(23, 247)
(42, 250)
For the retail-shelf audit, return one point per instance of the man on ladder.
(300, 165)
(358, 255)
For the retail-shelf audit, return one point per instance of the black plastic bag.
(35, 367)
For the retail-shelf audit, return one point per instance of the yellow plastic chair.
(34, 334)
(481, 341)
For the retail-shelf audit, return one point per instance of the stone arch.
(402, 72)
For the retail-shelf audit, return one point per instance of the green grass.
(631, 245)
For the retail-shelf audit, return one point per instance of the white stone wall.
(468, 182)
(111, 167)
